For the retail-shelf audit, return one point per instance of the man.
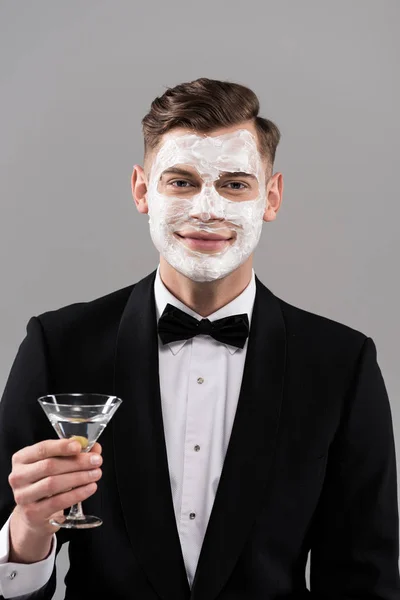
(250, 432)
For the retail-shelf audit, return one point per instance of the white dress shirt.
(200, 382)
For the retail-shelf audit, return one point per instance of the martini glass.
(81, 417)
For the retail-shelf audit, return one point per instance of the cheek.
(247, 215)
(169, 210)
(166, 215)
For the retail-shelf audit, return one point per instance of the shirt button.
(192, 516)
(200, 380)
(197, 448)
(12, 575)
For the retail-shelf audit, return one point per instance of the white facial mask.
(207, 211)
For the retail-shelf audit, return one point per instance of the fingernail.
(74, 447)
(94, 472)
(95, 459)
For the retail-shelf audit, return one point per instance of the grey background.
(77, 77)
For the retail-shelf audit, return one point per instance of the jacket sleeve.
(355, 530)
(23, 422)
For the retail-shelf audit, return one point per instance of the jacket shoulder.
(93, 313)
(320, 331)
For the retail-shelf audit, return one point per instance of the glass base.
(87, 522)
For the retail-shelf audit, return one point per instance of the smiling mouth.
(207, 243)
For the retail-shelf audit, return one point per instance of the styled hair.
(206, 104)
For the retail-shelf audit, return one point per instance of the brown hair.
(204, 105)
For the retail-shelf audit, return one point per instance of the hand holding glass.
(82, 417)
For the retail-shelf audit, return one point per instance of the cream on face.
(213, 202)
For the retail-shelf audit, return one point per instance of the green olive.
(84, 442)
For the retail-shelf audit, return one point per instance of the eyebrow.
(186, 173)
(177, 171)
(238, 174)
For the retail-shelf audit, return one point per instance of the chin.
(201, 273)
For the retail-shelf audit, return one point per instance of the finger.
(46, 449)
(44, 509)
(51, 486)
(97, 448)
(25, 474)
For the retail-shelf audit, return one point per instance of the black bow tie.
(175, 325)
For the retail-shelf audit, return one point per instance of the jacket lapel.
(141, 458)
(251, 448)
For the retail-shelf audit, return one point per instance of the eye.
(236, 185)
(180, 183)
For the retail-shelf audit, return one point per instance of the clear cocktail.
(82, 417)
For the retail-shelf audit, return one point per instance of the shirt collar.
(242, 304)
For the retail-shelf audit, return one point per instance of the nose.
(208, 206)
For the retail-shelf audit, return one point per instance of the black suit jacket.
(310, 465)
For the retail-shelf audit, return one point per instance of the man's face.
(206, 198)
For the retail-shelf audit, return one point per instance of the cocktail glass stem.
(76, 512)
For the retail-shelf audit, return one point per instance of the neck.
(206, 297)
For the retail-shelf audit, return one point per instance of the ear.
(274, 196)
(139, 189)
